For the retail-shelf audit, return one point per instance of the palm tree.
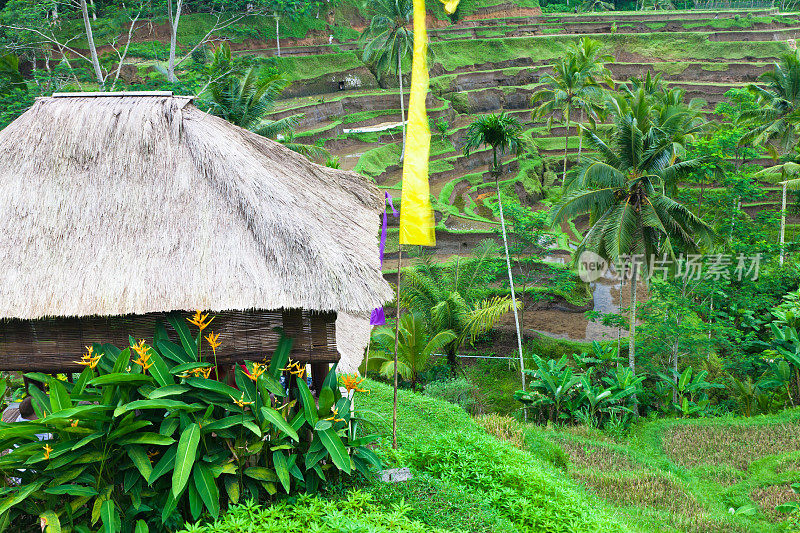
(624, 190)
(452, 297)
(778, 115)
(245, 100)
(388, 39)
(589, 56)
(503, 133)
(414, 350)
(570, 86)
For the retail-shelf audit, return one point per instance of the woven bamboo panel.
(52, 345)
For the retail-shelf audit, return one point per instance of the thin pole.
(511, 284)
(783, 220)
(396, 339)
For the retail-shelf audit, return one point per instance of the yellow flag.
(416, 216)
(450, 6)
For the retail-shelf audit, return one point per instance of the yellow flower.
(240, 402)
(152, 454)
(335, 416)
(213, 341)
(352, 382)
(258, 369)
(200, 320)
(74, 423)
(47, 450)
(296, 368)
(89, 359)
(144, 355)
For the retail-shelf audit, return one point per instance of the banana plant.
(553, 382)
(691, 389)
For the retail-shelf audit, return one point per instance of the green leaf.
(326, 400)
(188, 367)
(122, 361)
(180, 327)
(127, 427)
(170, 405)
(281, 468)
(260, 473)
(141, 527)
(226, 391)
(322, 425)
(309, 406)
(232, 488)
(50, 520)
(138, 456)
(159, 370)
(169, 390)
(164, 464)
(109, 517)
(82, 380)
(275, 418)
(184, 458)
(19, 496)
(72, 490)
(206, 486)
(280, 358)
(172, 351)
(59, 397)
(333, 443)
(120, 379)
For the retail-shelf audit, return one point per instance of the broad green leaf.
(172, 351)
(195, 502)
(281, 468)
(232, 488)
(170, 405)
(322, 425)
(19, 496)
(179, 325)
(260, 473)
(128, 427)
(59, 397)
(275, 418)
(153, 439)
(164, 464)
(206, 486)
(160, 370)
(280, 358)
(138, 456)
(50, 520)
(333, 443)
(326, 400)
(122, 361)
(82, 380)
(169, 390)
(226, 391)
(120, 379)
(309, 407)
(141, 527)
(184, 458)
(72, 490)
(188, 367)
(109, 517)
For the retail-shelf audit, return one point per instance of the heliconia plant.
(145, 439)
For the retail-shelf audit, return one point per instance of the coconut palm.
(453, 297)
(624, 190)
(246, 99)
(388, 40)
(778, 115)
(569, 87)
(504, 134)
(414, 349)
(589, 55)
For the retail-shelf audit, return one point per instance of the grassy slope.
(442, 443)
(676, 475)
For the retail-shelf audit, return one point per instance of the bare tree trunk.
(92, 48)
(580, 138)
(94, 10)
(278, 33)
(402, 105)
(496, 173)
(174, 20)
(566, 146)
(632, 339)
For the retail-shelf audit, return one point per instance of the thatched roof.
(134, 204)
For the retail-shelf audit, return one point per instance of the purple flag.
(378, 317)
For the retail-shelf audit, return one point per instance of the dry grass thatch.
(134, 204)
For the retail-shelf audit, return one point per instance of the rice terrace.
(513, 266)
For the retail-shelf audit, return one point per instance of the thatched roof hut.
(136, 204)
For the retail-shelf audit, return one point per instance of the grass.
(314, 66)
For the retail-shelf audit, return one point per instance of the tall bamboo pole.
(783, 219)
(396, 342)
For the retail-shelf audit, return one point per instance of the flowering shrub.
(146, 439)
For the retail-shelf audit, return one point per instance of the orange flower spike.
(74, 423)
(240, 402)
(200, 320)
(213, 341)
(47, 450)
(335, 416)
(89, 359)
(144, 355)
(352, 382)
(258, 369)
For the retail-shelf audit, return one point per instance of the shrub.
(356, 512)
(143, 442)
(459, 391)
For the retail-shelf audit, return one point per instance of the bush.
(145, 442)
(356, 512)
(459, 391)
